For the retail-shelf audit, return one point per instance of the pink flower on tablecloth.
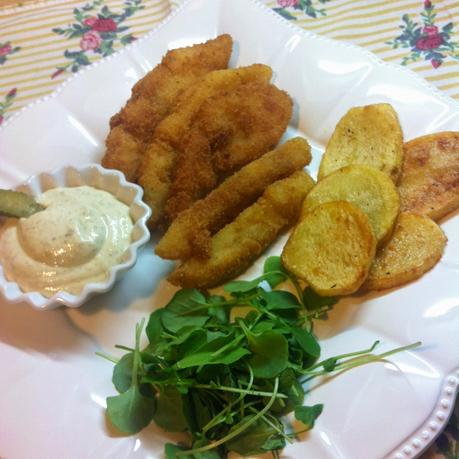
(430, 42)
(91, 40)
(6, 49)
(311, 8)
(90, 21)
(287, 3)
(104, 25)
(11, 93)
(100, 24)
(430, 30)
(426, 38)
(99, 30)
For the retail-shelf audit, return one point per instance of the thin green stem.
(237, 431)
(107, 357)
(344, 356)
(136, 361)
(230, 344)
(218, 418)
(124, 348)
(276, 428)
(362, 360)
(237, 390)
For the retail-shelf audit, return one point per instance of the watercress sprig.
(228, 381)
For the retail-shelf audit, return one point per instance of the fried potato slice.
(189, 234)
(154, 97)
(369, 189)
(238, 244)
(159, 158)
(332, 248)
(415, 247)
(429, 184)
(230, 130)
(368, 135)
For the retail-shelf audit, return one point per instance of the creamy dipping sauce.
(75, 240)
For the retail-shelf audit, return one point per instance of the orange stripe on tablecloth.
(351, 37)
(28, 63)
(448, 63)
(46, 36)
(42, 84)
(32, 66)
(323, 25)
(68, 6)
(445, 87)
(444, 76)
(364, 25)
(36, 8)
(44, 25)
(43, 78)
(334, 7)
(24, 99)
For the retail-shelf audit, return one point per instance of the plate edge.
(417, 442)
(409, 448)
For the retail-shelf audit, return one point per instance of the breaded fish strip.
(230, 130)
(158, 161)
(155, 95)
(238, 244)
(190, 232)
(429, 184)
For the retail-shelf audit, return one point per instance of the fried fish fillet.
(429, 184)
(230, 130)
(238, 244)
(189, 234)
(155, 95)
(158, 161)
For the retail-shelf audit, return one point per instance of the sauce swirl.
(81, 233)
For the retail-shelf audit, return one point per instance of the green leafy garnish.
(228, 383)
(131, 411)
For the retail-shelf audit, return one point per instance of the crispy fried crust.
(415, 247)
(331, 248)
(155, 95)
(429, 184)
(238, 244)
(158, 161)
(369, 189)
(368, 135)
(189, 233)
(230, 130)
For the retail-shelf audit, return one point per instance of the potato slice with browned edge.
(369, 189)
(332, 248)
(368, 135)
(415, 247)
(429, 184)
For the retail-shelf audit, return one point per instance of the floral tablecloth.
(42, 42)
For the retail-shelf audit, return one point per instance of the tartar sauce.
(81, 233)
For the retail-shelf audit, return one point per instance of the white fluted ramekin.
(104, 179)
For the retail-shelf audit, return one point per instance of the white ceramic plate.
(54, 387)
